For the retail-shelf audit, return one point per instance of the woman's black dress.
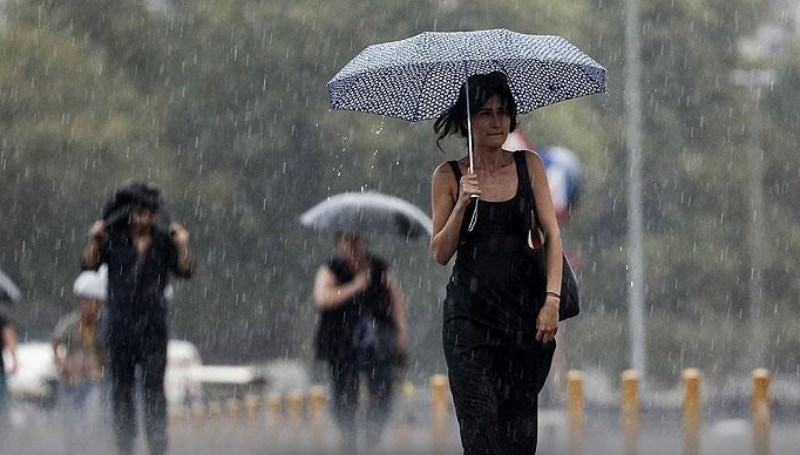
(495, 366)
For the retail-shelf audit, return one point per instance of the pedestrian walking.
(141, 248)
(499, 321)
(8, 343)
(80, 362)
(362, 332)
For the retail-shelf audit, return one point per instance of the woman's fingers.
(470, 185)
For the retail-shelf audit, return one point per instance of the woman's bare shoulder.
(445, 168)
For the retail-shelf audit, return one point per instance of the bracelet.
(554, 294)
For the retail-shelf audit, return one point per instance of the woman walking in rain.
(142, 249)
(362, 329)
(499, 323)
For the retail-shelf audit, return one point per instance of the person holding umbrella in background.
(141, 248)
(362, 318)
(362, 329)
(498, 341)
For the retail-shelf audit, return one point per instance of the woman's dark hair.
(481, 88)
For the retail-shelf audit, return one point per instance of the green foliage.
(223, 104)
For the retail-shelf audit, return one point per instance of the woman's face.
(142, 217)
(491, 124)
(350, 245)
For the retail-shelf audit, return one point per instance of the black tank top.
(492, 280)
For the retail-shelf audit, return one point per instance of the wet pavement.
(221, 430)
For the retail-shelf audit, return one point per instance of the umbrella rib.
(421, 89)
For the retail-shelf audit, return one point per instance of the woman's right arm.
(329, 294)
(447, 213)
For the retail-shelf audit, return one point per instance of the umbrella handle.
(474, 218)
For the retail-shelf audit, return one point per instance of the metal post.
(633, 111)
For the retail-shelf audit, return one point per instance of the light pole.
(633, 130)
(755, 81)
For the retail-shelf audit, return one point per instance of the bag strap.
(525, 181)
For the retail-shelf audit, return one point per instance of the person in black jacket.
(362, 329)
(142, 249)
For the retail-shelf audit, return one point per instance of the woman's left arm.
(398, 311)
(547, 323)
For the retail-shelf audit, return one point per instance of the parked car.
(36, 379)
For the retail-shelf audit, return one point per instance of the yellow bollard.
(691, 411)
(214, 410)
(232, 407)
(761, 411)
(317, 401)
(177, 424)
(439, 388)
(575, 411)
(177, 414)
(630, 411)
(295, 408)
(198, 412)
(274, 404)
(251, 405)
(403, 430)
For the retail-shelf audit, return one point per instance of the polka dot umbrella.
(418, 78)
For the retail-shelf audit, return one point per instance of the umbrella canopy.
(368, 213)
(418, 78)
(8, 290)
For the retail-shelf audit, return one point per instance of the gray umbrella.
(8, 290)
(368, 213)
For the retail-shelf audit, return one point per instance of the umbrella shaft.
(469, 121)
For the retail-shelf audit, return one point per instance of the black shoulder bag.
(570, 300)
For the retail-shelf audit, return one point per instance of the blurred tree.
(224, 105)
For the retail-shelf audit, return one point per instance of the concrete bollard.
(691, 411)
(630, 411)
(761, 411)
(439, 387)
(575, 411)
